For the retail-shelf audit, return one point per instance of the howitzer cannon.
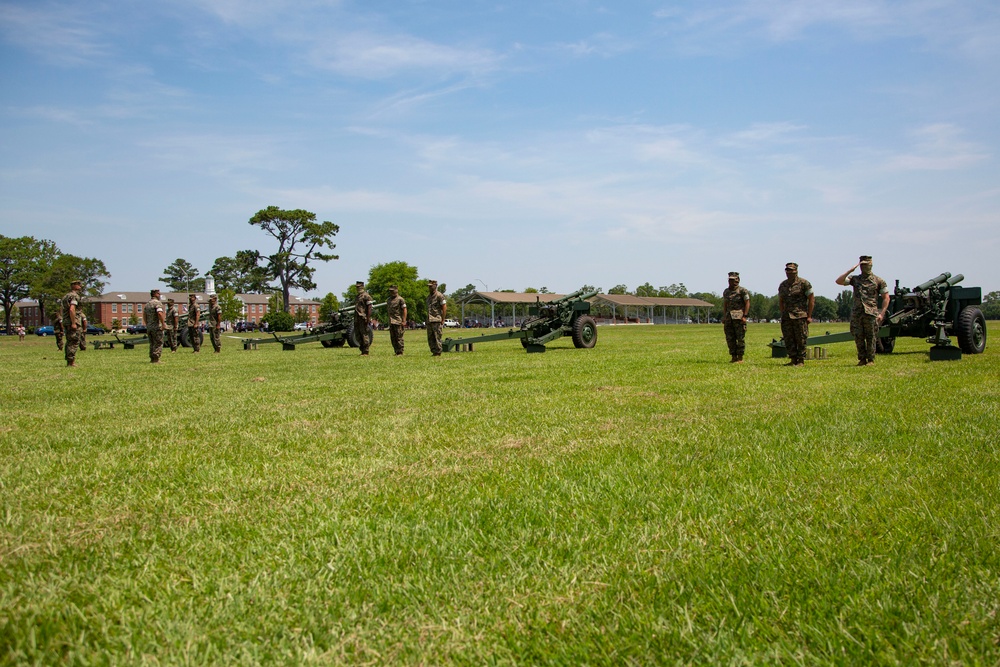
(565, 316)
(933, 310)
(339, 330)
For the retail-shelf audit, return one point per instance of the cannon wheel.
(885, 345)
(585, 332)
(971, 330)
(335, 342)
(352, 339)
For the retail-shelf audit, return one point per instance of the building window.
(114, 308)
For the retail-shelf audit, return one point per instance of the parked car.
(451, 323)
(45, 331)
(136, 328)
(94, 331)
(301, 326)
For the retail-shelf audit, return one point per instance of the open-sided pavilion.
(511, 307)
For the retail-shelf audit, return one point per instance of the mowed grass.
(644, 502)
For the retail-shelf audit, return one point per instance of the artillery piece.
(565, 316)
(339, 330)
(933, 310)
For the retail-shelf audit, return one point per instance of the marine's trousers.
(735, 333)
(795, 332)
(396, 336)
(434, 337)
(155, 343)
(865, 332)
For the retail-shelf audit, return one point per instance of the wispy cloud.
(380, 56)
(938, 147)
(59, 34)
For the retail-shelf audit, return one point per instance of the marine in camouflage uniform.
(396, 308)
(437, 309)
(153, 318)
(871, 299)
(735, 306)
(172, 321)
(72, 317)
(215, 322)
(796, 301)
(193, 323)
(57, 327)
(362, 317)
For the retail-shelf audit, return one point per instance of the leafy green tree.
(243, 273)
(405, 277)
(279, 320)
(300, 241)
(23, 260)
(328, 306)
(530, 290)
(232, 307)
(181, 276)
(645, 290)
(711, 297)
(675, 291)
(844, 302)
(301, 314)
(826, 309)
(991, 306)
(618, 289)
(275, 302)
(55, 281)
(759, 304)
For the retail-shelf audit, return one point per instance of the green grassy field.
(643, 502)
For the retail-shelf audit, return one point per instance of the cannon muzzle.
(954, 280)
(932, 282)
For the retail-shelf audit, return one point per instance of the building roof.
(632, 300)
(182, 297)
(512, 297)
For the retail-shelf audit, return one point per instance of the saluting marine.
(871, 299)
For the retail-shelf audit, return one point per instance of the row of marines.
(796, 302)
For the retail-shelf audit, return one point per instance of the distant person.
(215, 323)
(362, 317)
(871, 300)
(735, 308)
(71, 317)
(437, 311)
(20, 333)
(154, 318)
(57, 328)
(796, 302)
(194, 323)
(396, 308)
(172, 320)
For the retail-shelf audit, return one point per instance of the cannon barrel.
(954, 280)
(350, 309)
(577, 294)
(932, 282)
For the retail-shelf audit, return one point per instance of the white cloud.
(61, 35)
(938, 147)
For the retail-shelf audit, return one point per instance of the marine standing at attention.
(194, 323)
(215, 322)
(396, 308)
(735, 307)
(71, 317)
(172, 320)
(155, 320)
(871, 299)
(796, 302)
(437, 309)
(362, 317)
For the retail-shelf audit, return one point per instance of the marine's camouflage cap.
(734, 274)
(170, 300)
(865, 259)
(359, 282)
(432, 282)
(154, 292)
(393, 288)
(214, 297)
(76, 281)
(791, 266)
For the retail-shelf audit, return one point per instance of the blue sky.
(511, 144)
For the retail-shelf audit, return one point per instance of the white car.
(302, 326)
(451, 324)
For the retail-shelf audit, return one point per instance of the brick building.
(118, 309)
